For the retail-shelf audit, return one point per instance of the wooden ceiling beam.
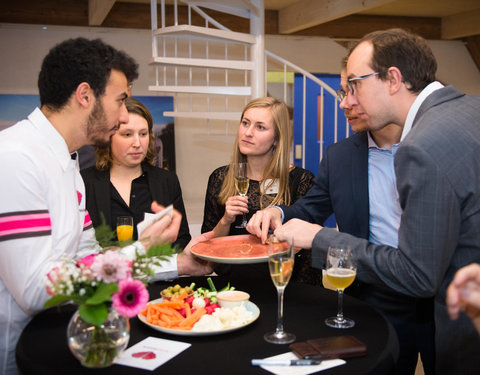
(308, 13)
(473, 45)
(356, 26)
(461, 25)
(137, 16)
(98, 11)
(45, 12)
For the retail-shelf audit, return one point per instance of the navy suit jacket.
(163, 185)
(341, 187)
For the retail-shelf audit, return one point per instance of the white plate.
(250, 306)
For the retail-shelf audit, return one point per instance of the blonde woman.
(264, 141)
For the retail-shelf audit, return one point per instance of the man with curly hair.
(83, 85)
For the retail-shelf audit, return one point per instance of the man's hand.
(188, 264)
(263, 220)
(303, 232)
(162, 231)
(463, 294)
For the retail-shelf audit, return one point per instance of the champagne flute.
(281, 256)
(124, 228)
(341, 271)
(241, 183)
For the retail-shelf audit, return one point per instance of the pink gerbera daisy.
(110, 267)
(87, 261)
(131, 298)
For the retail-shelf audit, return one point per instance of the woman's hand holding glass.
(241, 183)
(341, 271)
(234, 206)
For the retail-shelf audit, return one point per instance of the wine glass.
(281, 256)
(341, 271)
(124, 228)
(241, 183)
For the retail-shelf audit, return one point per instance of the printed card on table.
(150, 353)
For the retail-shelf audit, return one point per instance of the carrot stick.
(193, 318)
(172, 303)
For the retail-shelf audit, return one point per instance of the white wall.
(200, 146)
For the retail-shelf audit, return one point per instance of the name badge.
(273, 189)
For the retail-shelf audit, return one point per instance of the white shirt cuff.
(283, 215)
(131, 250)
(167, 270)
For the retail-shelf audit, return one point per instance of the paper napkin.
(150, 353)
(300, 370)
(151, 218)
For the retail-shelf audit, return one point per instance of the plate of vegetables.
(190, 311)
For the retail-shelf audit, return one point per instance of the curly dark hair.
(80, 60)
(408, 52)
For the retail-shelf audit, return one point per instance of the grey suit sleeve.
(427, 237)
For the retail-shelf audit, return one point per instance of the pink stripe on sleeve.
(88, 221)
(24, 223)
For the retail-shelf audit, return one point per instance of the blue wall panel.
(312, 143)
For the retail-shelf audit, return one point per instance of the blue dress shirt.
(385, 211)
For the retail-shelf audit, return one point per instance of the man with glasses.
(356, 182)
(392, 77)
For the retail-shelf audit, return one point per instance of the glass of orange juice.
(124, 228)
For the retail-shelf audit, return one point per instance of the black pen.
(285, 362)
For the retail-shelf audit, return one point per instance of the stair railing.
(223, 33)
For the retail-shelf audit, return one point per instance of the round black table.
(43, 349)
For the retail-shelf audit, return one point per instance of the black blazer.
(163, 185)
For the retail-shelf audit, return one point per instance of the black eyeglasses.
(340, 95)
(352, 82)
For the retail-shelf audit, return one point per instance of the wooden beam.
(356, 26)
(45, 12)
(137, 16)
(461, 25)
(130, 16)
(98, 10)
(308, 13)
(473, 45)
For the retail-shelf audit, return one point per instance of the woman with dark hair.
(125, 181)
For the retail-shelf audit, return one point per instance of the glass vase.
(98, 346)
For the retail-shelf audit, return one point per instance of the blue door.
(318, 135)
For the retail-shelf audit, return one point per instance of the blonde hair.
(279, 166)
(104, 154)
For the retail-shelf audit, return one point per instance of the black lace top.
(300, 181)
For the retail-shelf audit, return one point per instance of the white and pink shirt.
(42, 220)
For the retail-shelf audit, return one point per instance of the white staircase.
(214, 65)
